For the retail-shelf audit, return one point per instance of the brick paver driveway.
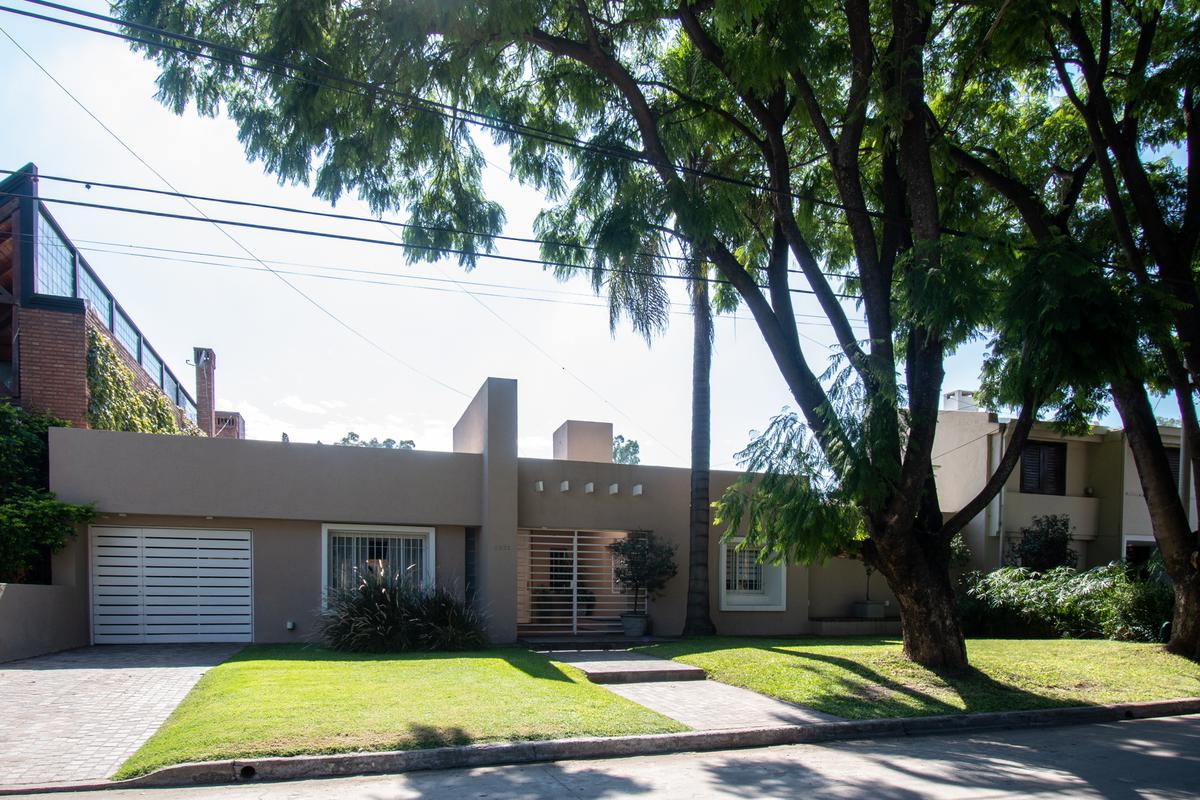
(76, 716)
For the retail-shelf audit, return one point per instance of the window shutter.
(1054, 471)
(1031, 468)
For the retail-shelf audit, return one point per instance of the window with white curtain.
(352, 552)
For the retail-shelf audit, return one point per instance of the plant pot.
(634, 625)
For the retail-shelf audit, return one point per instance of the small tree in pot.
(642, 564)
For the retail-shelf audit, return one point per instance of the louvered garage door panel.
(170, 585)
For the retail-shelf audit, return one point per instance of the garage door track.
(76, 716)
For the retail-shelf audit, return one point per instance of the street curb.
(487, 755)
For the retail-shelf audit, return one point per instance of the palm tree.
(698, 621)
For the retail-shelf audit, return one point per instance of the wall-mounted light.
(589, 487)
(539, 486)
(614, 488)
(291, 626)
(637, 490)
(565, 486)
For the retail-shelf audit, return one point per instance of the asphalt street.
(1157, 758)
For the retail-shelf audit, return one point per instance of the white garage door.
(170, 585)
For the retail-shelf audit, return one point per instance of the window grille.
(743, 572)
(390, 556)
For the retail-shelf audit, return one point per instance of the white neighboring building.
(1092, 479)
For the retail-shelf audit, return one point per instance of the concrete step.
(608, 666)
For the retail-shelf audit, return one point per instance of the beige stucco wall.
(287, 566)
(182, 476)
(963, 466)
(837, 584)
(662, 508)
(44, 619)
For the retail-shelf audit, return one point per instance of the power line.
(206, 218)
(409, 101)
(445, 110)
(382, 242)
(90, 184)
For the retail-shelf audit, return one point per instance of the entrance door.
(565, 583)
(170, 585)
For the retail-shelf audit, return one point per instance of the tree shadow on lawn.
(879, 695)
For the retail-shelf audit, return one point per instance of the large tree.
(1083, 124)
(785, 144)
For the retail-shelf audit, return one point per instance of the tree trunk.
(1177, 542)
(698, 621)
(916, 567)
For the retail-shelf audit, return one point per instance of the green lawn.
(292, 699)
(864, 678)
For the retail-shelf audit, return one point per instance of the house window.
(89, 289)
(1044, 468)
(748, 584)
(55, 263)
(352, 552)
(743, 573)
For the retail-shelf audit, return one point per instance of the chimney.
(959, 400)
(206, 393)
(584, 441)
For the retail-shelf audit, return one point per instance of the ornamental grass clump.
(1114, 601)
(395, 615)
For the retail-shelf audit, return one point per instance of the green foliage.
(395, 615)
(626, 451)
(31, 525)
(1113, 602)
(352, 439)
(643, 564)
(32, 522)
(788, 502)
(1045, 544)
(116, 404)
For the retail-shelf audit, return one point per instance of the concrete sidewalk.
(681, 692)
(1156, 758)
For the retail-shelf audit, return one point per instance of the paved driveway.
(76, 716)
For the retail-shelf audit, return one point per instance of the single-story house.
(201, 539)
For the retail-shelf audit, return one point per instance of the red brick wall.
(230, 425)
(53, 363)
(206, 372)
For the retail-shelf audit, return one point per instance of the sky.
(392, 350)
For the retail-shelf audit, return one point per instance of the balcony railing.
(60, 270)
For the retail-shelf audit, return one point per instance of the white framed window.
(748, 584)
(392, 551)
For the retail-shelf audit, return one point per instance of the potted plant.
(642, 564)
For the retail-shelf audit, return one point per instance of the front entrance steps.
(618, 666)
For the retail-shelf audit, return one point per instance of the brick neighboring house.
(49, 297)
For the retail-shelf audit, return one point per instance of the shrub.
(1045, 544)
(33, 524)
(643, 565)
(393, 615)
(1112, 602)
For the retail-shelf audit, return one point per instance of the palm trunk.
(698, 621)
(1177, 542)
